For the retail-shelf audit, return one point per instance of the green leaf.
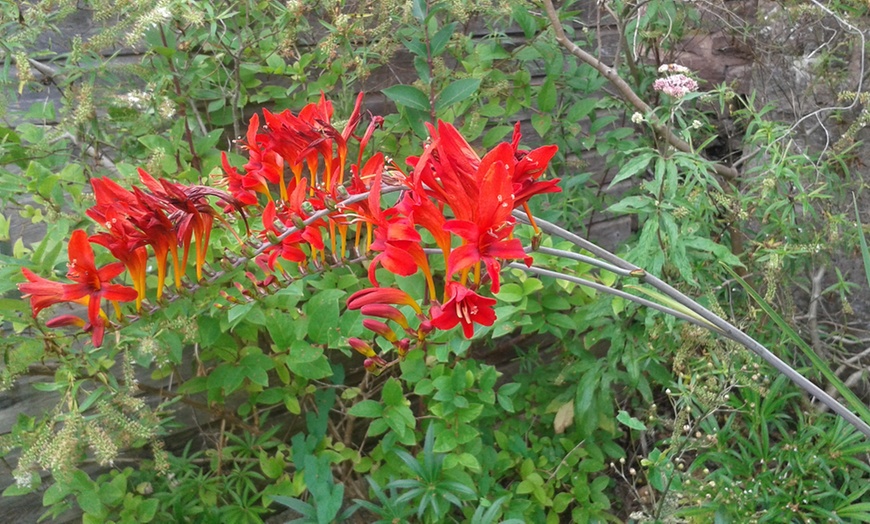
(445, 441)
(510, 293)
(392, 395)
(307, 361)
(54, 494)
(524, 19)
(457, 91)
(495, 134)
(366, 409)
(581, 109)
(547, 95)
(542, 122)
(630, 421)
(440, 39)
(323, 312)
(633, 167)
(408, 96)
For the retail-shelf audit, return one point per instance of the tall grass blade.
(850, 398)
(865, 252)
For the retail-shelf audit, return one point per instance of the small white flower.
(637, 118)
(673, 68)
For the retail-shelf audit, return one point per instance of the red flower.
(381, 295)
(127, 244)
(190, 212)
(487, 236)
(465, 307)
(90, 287)
(289, 248)
(530, 165)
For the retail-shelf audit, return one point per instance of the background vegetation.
(575, 406)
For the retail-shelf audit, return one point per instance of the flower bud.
(362, 347)
(307, 208)
(403, 346)
(387, 312)
(66, 320)
(380, 328)
(328, 202)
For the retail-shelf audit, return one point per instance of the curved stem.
(613, 291)
(722, 326)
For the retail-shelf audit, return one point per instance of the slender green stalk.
(613, 291)
(722, 327)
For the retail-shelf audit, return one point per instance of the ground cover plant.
(317, 313)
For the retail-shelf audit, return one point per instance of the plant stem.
(720, 325)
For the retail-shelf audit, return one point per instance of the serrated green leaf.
(632, 167)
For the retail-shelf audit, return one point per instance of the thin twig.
(628, 94)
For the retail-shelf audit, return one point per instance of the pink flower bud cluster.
(676, 86)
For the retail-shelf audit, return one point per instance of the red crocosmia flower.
(190, 212)
(159, 233)
(385, 311)
(380, 328)
(92, 282)
(396, 240)
(264, 165)
(126, 243)
(530, 165)
(90, 285)
(312, 232)
(447, 170)
(423, 212)
(289, 248)
(239, 186)
(381, 295)
(487, 237)
(303, 138)
(43, 293)
(464, 307)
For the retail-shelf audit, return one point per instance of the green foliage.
(602, 411)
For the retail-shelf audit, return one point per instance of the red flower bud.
(380, 328)
(387, 312)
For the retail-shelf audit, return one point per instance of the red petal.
(461, 258)
(119, 293)
(81, 254)
(110, 271)
(463, 228)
